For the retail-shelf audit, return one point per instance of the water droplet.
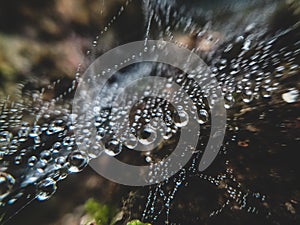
(131, 141)
(12, 201)
(95, 150)
(32, 160)
(45, 189)
(148, 159)
(266, 92)
(228, 100)
(202, 116)
(18, 159)
(7, 182)
(41, 164)
(291, 96)
(100, 133)
(147, 136)
(113, 148)
(182, 119)
(77, 161)
(23, 132)
(45, 155)
(247, 96)
(55, 127)
(5, 137)
(60, 161)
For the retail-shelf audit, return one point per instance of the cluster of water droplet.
(37, 153)
(250, 65)
(152, 118)
(37, 142)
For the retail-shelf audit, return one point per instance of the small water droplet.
(5, 137)
(247, 96)
(228, 100)
(32, 160)
(18, 159)
(148, 159)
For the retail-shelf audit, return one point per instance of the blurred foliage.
(137, 222)
(101, 213)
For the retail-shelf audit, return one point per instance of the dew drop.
(45, 189)
(6, 184)
(131, 141)
(291, 96)
(113, 148)
(32, 160)
(147, 136)
(228, 100)
(45, 155)
(247, 96)
(266, 92)
(18, 159)
(148, 159)
(202, 116)
(5, 137)
(183, 119)
(77, 161)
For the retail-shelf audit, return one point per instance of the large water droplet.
(113, 148)
(45, 189)
(291, 96)
(131, 141)
(202, 116)
(147, 136)
(77, 161)
(182, 119)
(6, 184)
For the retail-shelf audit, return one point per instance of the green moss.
(102, 213)
(137, 222)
